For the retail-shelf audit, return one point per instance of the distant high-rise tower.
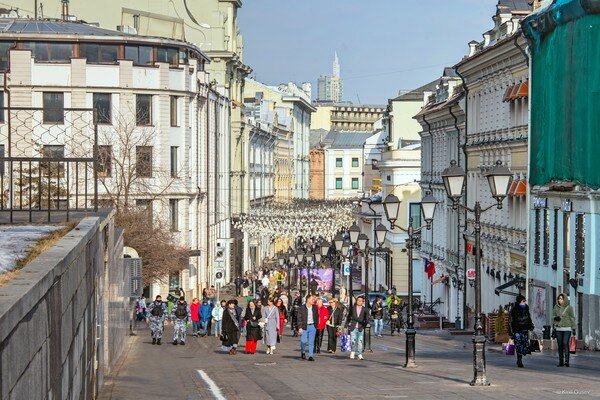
(330, 88)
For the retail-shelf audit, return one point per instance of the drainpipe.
(464, 149)
(208, 91)
(430, 182)
(8, 100)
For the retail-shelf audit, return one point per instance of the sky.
(384, 46)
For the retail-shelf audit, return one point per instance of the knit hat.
(520, 298)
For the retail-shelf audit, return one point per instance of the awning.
(513, 187)
(515, 92)
(521, 189)
(502, 289)
(523, 90)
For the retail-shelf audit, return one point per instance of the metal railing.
(48, 167)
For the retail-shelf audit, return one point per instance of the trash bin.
(546, 332)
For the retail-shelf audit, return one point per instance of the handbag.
(345, 344)
(509, 348)
(573, 345)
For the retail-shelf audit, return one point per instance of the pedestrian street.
(202, 370)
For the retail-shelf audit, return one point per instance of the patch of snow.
(16, 240)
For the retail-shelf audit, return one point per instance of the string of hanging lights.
(305, 218)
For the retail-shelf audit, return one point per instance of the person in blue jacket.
(205, 316)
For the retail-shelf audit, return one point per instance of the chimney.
(65, 10)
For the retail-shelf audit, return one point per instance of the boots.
(519, 361)
(153, 340)
(158, 342)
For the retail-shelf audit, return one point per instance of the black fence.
(48, 162)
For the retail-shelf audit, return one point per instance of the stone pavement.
(201, 370)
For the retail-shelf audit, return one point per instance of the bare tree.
(132, 180)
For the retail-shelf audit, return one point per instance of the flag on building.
(429, 268)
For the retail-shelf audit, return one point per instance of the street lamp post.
(499, 179)
(391, 206)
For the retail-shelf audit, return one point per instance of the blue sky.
(384, 45)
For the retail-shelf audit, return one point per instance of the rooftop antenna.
(35, 3)
(358, 98)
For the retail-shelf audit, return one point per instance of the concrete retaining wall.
(56, 337)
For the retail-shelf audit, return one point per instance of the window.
(1, 159)
(52, 169)
(4, 46)
(140, 55)
(143, 163)
(50, 52)
(1, 107)
(338, 163)
(580, 243)
(102, 107)
(168, 55)
(53, 151)
(99, 54)
(104, 161)
(555, 241)
(536, 238)
(338, 183)
(174, 214)
(354, 183)
(145, 205)
(54, 107)
(174, 101)
(546, 229)
(354, 162)
(174, 166)
(143, 109)
(415, 214)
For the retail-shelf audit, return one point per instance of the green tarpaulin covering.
(565, 93)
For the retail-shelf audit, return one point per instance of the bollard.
(367, 334)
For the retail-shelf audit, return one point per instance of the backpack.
(158, 310)
(181, 310)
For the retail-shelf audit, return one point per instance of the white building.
(344, 162)
(153, 92)
(443, 126)
(497, 113)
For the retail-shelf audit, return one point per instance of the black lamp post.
(391, 206)
(499, 179)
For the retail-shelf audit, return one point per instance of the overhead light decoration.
(307, 218)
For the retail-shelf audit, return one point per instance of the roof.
(417, 94)
(346, 140)
(516, 5)
(54, 27)
(316, 137)
(58, 27)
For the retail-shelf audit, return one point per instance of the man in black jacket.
(356, 322)
(377, 314)
(308, 317)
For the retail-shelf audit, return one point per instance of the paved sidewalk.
(201, 370)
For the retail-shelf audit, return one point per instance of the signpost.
(219, 277)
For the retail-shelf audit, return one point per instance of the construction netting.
(565, 93)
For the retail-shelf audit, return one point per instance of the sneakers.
(352, 355)
(303, 356)
(268, 350)
(174, 342)
(311, 359)
(360, 357)
(158, 342)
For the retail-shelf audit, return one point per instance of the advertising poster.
(321, 278)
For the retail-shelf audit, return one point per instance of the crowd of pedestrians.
(266, 313)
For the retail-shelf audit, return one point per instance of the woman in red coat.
(321, 325)
(282, 315)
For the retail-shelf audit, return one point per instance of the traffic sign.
(471, 274)
(219, 275)
(346, 268)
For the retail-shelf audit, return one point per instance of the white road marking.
(212, 385)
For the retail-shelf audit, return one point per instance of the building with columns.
(442, 121)
(495, 76)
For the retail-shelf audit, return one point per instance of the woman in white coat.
(271, 319)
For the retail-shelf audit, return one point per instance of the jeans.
(308, 337)
(377, 327)
(217, 326)
(562, 339)
(203, 326)
(356, 338)
(195, 327)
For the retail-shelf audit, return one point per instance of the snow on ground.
(16, 240)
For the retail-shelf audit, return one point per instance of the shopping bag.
(345, 344)
(573, 345)
(509, 349)
(534, 345)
